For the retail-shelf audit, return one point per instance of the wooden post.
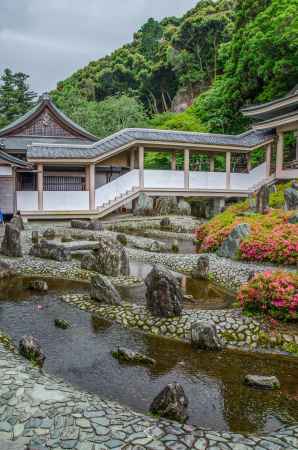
(186, 169)
(211, 163)
(248, 162)
(87, 178)
(40, 186)
(141, 167)
(173, 161)
(132, 159)
(92, 186)
(228, 170)
(279, 153)
(296, 135)
(268, 159)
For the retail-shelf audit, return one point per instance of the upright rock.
(262, 200)
(35, 237)
(171, 403)
(165, 223)
(103, 291)
(5, 270)
(112, 259)
(204, 336)
(80, 224)
(291, 197)
(166, 206)
(164, 295)
(49, 234)
(144, 205)
(202, 269)
(89, 262)
(17, 220)
(230, 246)
(95, 225)
(11, 243)
(184, 208)
(30, 348)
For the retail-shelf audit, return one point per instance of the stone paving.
(41, 412)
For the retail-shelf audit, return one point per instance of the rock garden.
(152, 331)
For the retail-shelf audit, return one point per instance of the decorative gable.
(44, 125)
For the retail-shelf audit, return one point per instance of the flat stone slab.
(73, 245)
(40, 394)
(262, 382)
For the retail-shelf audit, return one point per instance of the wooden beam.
(228, 170)
(186, 169)
(141, 167)
(40, 186)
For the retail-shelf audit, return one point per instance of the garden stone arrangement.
(40, 411)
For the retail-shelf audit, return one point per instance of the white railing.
(27, 200)
(163, 179)
(116, 188)
(66, 200)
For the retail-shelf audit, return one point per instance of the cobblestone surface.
(43, 412)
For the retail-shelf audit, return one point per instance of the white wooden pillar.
(173, 161)
(40, 186)
(228, 170)
(296, 135)
(87, 178)
(91, 180)
(268, 159)
(186, 169)
(141, 167)
(248, 162)
(279, 153)
(211, 163)
(132, 159)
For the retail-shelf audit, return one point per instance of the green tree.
(16, 98)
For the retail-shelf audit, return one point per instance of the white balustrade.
(116, 188)
(27, 200)
(66, 200)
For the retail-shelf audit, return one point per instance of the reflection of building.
(51, 167)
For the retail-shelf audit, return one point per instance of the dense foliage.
(273, 293)
(16, 98)
(271, 238)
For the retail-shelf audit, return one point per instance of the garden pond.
(213, 382)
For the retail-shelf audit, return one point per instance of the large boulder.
(263, 382)
(171, 403)
(30, 348)
(204, 336)
(184, 208)
(230, 246)
(11, 243)
(5, 270)
(201, 271)
(144, 205)
(262, 200)
(80, 224)
(112, 259)
(89, 262)
(164, 294)
(129, 356)
(17, 220)
(291, 197)
(166, 206)
(103, 291)
(49, 234)
(47, 250)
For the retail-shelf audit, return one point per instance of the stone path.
(42, 412)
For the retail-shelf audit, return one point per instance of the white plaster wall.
(27, 200)
(66, 200)
(5, 171)
(116, 187)
(164, 179)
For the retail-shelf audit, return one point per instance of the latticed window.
(64, 183)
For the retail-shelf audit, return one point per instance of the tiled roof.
(246, 140)
(13, 160)
(21, 142)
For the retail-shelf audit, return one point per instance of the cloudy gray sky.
(49, 39)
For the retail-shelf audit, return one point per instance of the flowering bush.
(271, 238)
(273, 293)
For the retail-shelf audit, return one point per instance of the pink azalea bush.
(272, 293)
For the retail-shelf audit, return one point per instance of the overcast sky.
(49, 39)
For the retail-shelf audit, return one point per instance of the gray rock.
(66, 237)
(204, 336)
(5, 270)
(262, 200)
(184, 208)
(103, 291)
(39, 285)
(80, 224)
(11, 243)
(166, 206)
(95, 225)
(165, 223)
(126, 355)
(49, 234)
(63, 324)
(17, 220)
(112, 259)
(35, 237)
(89, 262)
(175, 246)
(230, 246)
(144, 206)
(291, 197)
(30, 348)
(202, 270)
(48, 251)
(164, 295)
(171, 403)
(122, 238)
(264, 382)
(293, 219)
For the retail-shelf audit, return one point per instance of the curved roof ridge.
(193, 133)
